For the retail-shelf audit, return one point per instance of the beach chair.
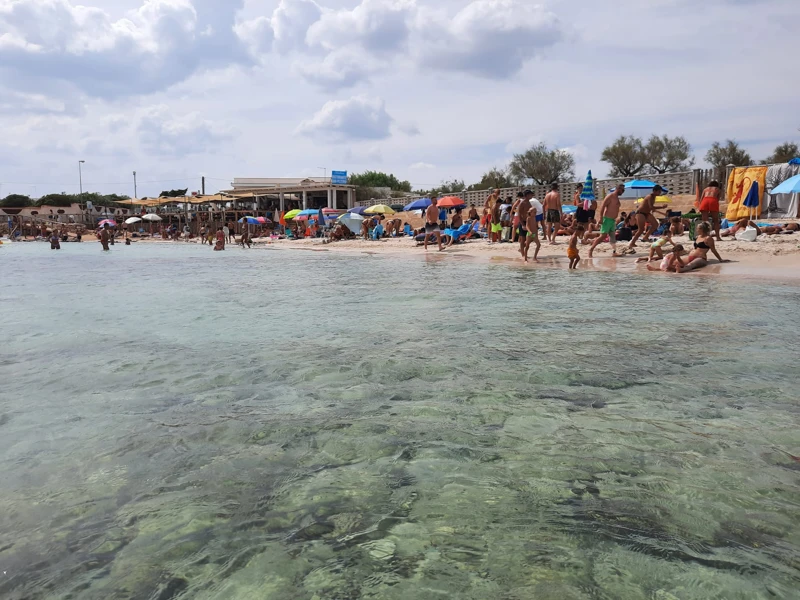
(457, 234)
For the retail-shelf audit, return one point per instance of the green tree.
(782, 154)
(450, 187)
(668, 155)
(173, 193)
(494, 178)
(543, 165)
(16, 201)
(627, 156)
(375, 179)
(720, 156)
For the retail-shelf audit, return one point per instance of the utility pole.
(203, 186)
(80, 176)
(134, 186)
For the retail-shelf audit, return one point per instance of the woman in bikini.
(709, 205)
(698, 258)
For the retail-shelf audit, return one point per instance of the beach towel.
(739, 184)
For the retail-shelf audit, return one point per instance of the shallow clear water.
(176, 423)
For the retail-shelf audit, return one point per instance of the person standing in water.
(609, 211)
(104, 236)
(523, 207)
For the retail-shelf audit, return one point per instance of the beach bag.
(748, 235)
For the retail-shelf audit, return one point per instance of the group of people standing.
(591, 225)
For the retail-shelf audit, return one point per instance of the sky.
(429, 90)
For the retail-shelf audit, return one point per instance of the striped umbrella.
(587, 195)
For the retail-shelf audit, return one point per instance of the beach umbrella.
(352, 221)
(358, 210)
(263, 220)
(420, 204)
(450, 202)
(795, 161)
(753, 200)
(309, 212)
(790, 186)
(379, 209)
(110, 222)
(291, 214)
(587, 195)
(249, 220)
(659, 200)
(151, 217)
(330, 211)
(132, 220)
(639, 188)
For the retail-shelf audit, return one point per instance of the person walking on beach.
(497, 226)
(532, 228)
(552, 207)
(232, 232)
(104, 236)
(645, 220)
(609, 211)
(432, 223)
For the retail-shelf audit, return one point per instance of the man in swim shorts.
(552, 207)
(609, 211)
(432, 222)
(496, 227)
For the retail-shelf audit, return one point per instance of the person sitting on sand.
(458, 219)
(672, 262)
(473, 213)
(657, 248)
(698, 258)
(572, 250)
(676, 226)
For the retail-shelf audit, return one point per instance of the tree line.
(21, 200)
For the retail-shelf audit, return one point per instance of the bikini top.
(701, 245)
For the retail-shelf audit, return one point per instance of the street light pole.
(134, 186)
(80, 176)
(324, 172)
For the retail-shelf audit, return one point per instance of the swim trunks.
(431, 227)
(521, 230)
(709, 204)
(497, 227)
(582, 216)
(609, 226)
(572, 253)
(553, 216)
(540, 218)
(591, 213)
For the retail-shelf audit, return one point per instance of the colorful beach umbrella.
(379, 209)
(450, 202)
(292, 214)
(358, 210)
(790, 186)
(249, 220)
(110, 222)
(587, 195)
(420, 204)
(659, 200)
(263, 220)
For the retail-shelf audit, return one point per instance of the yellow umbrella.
(659, 200)
(379, 209)
(292, 214)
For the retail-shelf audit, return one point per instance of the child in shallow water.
(572, 251)
(672, 262)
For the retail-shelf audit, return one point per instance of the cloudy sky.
(427, 89)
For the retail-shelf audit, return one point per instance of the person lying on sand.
(740, 225)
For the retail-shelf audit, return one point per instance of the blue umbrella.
(753, 199)
(587, 195)
(311, 212)
(249, 220)
(795, 161)
(790, 186)
(420, 204)
(643, 184)
(358, 210)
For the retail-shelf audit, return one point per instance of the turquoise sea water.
(314, 425)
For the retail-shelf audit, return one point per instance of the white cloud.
(422, 166)
(376, 25)
(163, 41)
(163, 133)
(358, 118)
(291, 21)
(340, 69)
(487, 38)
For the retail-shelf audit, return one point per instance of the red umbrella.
(330, 211)
(450, 202)
(263, 220)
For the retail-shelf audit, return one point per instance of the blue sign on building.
(339, 177)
